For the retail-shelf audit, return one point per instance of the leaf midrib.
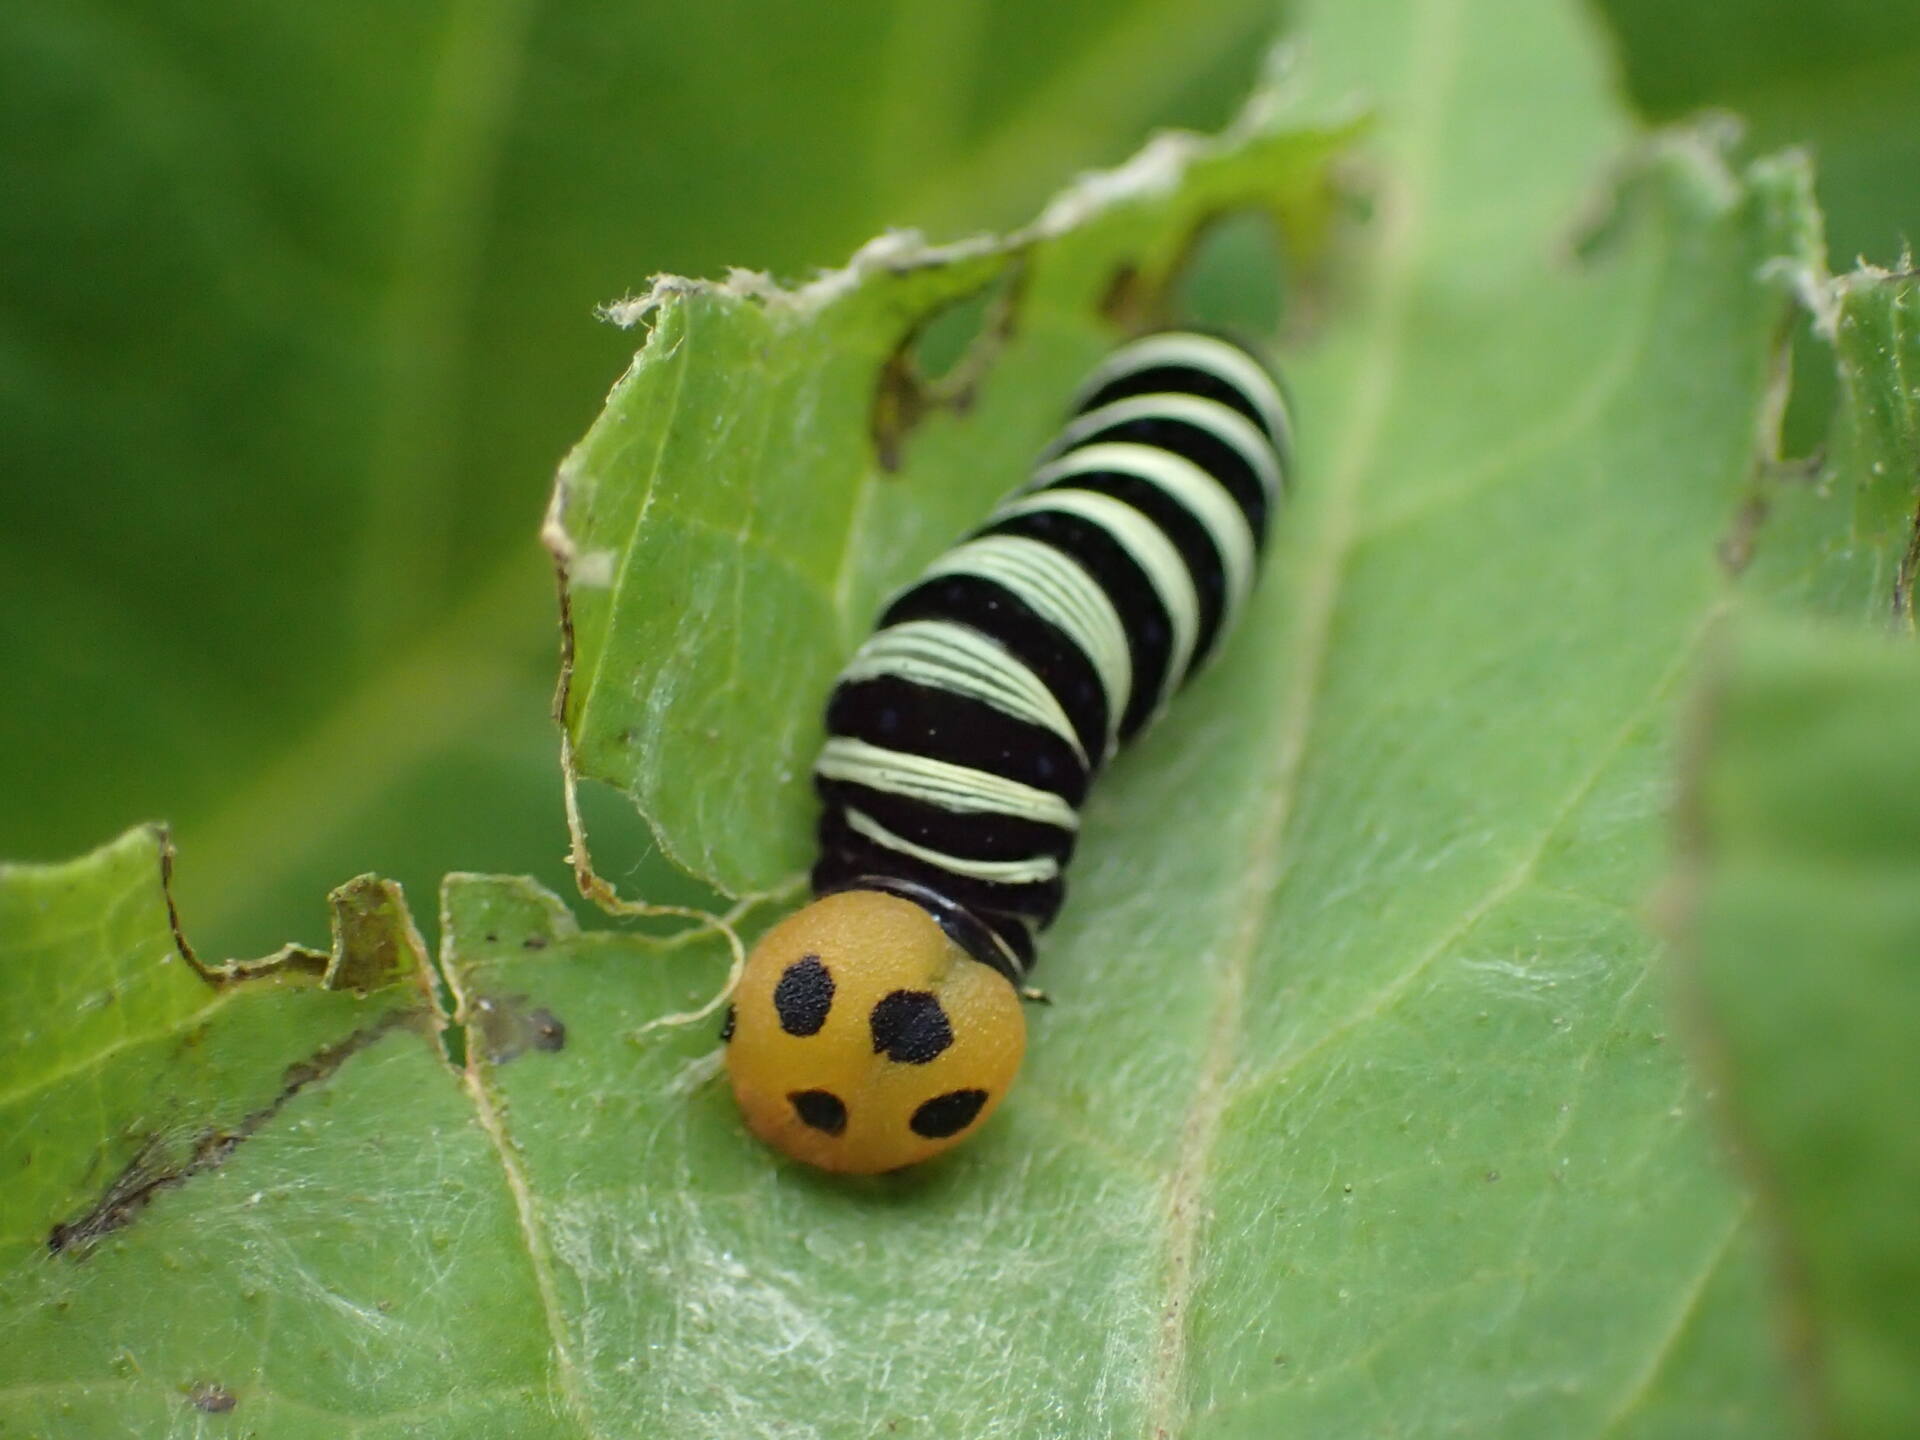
(1432, 50)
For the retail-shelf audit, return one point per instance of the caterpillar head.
(862, 1038)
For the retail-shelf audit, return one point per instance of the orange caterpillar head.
(863, 1038)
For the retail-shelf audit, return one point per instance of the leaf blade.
(1797, 926)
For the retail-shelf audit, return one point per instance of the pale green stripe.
(1151, 550)
(958, 788)
(1061, 592)
(1222, 421)
(1202, 495)
(1201, 352)
(999, 872)
(960, 660)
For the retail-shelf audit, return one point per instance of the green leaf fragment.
(1847, 530)
(1355, 1111)
(104, 999)
(773, 463)
(1799, 935)
(254, 1189)
(1879, 345)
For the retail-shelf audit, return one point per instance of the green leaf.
(1844, 537)
(1354, 1112)
(775, 460)
(254, 1187)
(298, 315)
(1879, 349)
(1800, 925)
(103, 998)
(1354, 1105)
(1842, 78)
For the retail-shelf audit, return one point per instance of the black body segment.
(963, 735)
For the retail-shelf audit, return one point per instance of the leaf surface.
(1355, 1111)
(257, 1189)
(1354, 1056)
(775, 460)
(300, 315)
(1801, 921)
(1842, 535)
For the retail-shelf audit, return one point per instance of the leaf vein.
(1516, 879)
(676, 354)
(1642, 1384)
(493, 1124)
(1609, 380)
(1431, 58)
(91, 1063)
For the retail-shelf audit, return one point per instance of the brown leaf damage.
(940, 362)
(160, 1165)
(509, 1026)
(375, 942)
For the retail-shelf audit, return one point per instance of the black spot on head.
(726, 1026)
(947, 1114)
(909, 1026)
(822, 1110)
(803, 996)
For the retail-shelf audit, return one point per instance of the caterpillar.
(882, 1024)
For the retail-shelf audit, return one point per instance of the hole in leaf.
(1233, 275)
(1127, 303)
(940, 363)
(628, 857)
(1815, 392)
(943, 339)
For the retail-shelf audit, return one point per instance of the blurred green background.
(296, 320)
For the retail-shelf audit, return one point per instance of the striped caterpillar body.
(881, 1024)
